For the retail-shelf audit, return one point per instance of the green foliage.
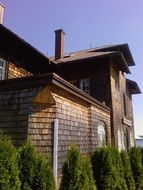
(88, 182)
(137, 167)
(35, 173)
(128, 175)
(141, 149)
(9, 172)
(44, 178)
(107, 169)
(77, 172)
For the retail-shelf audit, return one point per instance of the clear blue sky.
(96, 22)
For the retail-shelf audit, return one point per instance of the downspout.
(55, 149)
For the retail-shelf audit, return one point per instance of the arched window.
(101, 134)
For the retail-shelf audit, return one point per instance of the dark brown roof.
(133, 87)
(49, 79)
(80, 55)
(21, 53)
(123, 48)
(84, 55)
(97, 52)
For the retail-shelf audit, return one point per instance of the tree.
(9, 172)
(35, 173)
(107, 169)
(77, 172)
(137, 167)
(127, 171)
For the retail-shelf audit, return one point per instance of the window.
(85, 85)
(101, 134)
(2, 69)
(121, 145)
(124, 102)
(132, 139)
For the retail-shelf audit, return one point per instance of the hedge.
(9, 171)
(77, 172)
(137, 167)
(128, 175)
(35, 173)
(108, 170)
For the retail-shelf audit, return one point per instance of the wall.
(78, 124)
(15, 71)
(98, 71)
(31, 112)
(14, 110)
(122, 120)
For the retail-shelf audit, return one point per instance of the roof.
(92, 54)
(16, 50)
(49, 79)
(123, 48)
(99, 51)
(133, 87)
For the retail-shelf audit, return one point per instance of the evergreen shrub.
(137, 167)
(77, 172)
(128, 175)
(9, 171)
(35, 173)
(107, 169)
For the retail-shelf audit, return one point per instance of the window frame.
(85, 85)
(3, 64)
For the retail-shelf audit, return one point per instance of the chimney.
(2, 7)
(59, 44)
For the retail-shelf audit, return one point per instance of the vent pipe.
(2, 8)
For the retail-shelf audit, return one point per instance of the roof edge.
(47, 79)
(133, 87)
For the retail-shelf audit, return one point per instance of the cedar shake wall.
(40, 127)
(98, 71)
(14, 110)
(78, 125)
(15, 71)
(118, 90)
(23, 115)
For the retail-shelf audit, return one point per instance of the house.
(83, 97)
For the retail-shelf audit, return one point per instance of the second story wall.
(122, 123)
(97, 73)
(16, 72)
(10, 70)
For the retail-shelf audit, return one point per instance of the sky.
(86, 23)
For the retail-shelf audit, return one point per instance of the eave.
(16, 50)
(48, 80)
(133, 87)
(123, 48)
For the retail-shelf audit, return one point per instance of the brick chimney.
(2, 7)
(59, 44)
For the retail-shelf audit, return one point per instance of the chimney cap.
(60, 31)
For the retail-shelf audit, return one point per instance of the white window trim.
(102, 135)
